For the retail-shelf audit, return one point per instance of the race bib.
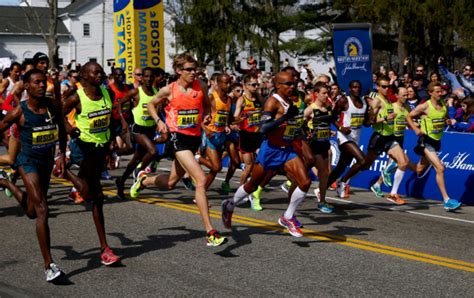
(145, 112)
(290, 130)
(253, 118)
(390, 122)
(400, 127)
(221, 118)
(44, 136)
(188, 119)
(99, 121)
(322, 134)
(357, 120)
(438, 125)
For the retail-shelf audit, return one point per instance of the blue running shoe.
(296, 222)
(451, 205)
(377, 191)
(325, 208)
(387, 179)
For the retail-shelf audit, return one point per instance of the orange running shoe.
(75, 197)
(395, 199)
(346, 191)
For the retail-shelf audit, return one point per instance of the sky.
(9, 2)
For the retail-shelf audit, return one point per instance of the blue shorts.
(216, 142)
(43, 167)
(272, 157)
(233, 137)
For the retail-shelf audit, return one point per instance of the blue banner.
(353, 55)
(456, 154)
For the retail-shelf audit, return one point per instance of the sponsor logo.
(354, 58)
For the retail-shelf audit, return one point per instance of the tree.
(49, 35)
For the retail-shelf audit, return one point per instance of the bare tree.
(50, 35)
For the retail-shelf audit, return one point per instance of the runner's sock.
(239, 195)
(296, 198)
(396, 182)
(391, 167)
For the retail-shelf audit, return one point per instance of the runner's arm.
(419, 110)
(10, 118)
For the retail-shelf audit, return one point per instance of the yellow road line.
(312, 234)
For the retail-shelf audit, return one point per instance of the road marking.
(312, 234)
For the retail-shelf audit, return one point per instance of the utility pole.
(103, 33)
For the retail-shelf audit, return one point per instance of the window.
(86, 29)
(261, 65)
(93, 60)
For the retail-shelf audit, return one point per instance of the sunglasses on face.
(384, 86)
(239, 90)
(139, 74)
(289, 83)
(252, 84)
(419, 70)
(75, 77)
(467, 69)
(190, 69)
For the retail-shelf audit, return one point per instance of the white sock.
(239, 195)
(296, 198)
(73, 189)
(396, 182)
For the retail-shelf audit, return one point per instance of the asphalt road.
(369, 247)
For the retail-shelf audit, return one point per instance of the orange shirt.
(220, 115)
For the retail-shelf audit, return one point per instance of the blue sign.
(353, 55)
(456, 154)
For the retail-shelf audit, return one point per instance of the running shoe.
(226, 214)
(108, 257)
(386, 178)
(297, 222)
(340, 190)
(451, 205)
(75, 197)
(333, 186)
(215, 239)
(56, 169)
(290, 225)
(8, 192)
(188, 183)
(113, 161)
(377, 191)
(396, 199)
(347, 189)
(135, 171)
(254, 199)
(120, 188)
(225, 187)
(317, 193)
(324, 207)
(197, 157)
(286, 186)
(153, 165)
(52, 272)
(137, 186)
(106, 175)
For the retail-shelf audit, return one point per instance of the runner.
(143, 128)
(215, 131)
(187, 102)
(400, 108)
(352, 111)
(93, 109)
(320, 114)
(276, 152)
(433, 114)
(40, 125)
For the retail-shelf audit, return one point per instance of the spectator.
(413, 99)
(462, 85)
(393, 78)
(407, 80)
(418, 86)
(420, 71)
(463, 119)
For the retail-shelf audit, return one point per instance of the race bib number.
(221, 118)
(145, 112)
(99, 121)
(188, 119)
(438, 125)
(390, 122)
(322, 134)
(290, 130)
(357, 120)
(400, 127)
(253, 118)
(44, 136)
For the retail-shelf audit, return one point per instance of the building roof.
(16, 20)
(75, 6)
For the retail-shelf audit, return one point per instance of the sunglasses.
(384, 86)
(289, 83)
(252, 84)
(419, 70)
(467, 69)
(190, 69)
(239, 90)
(75, 77)
(139, 74)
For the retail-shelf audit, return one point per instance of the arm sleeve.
(269, 123)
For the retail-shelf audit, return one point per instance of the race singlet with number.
(44, 136)
(188, 118)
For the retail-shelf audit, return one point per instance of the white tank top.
(284, 104)
(9, 88)
(353, 118)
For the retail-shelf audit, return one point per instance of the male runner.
(187, 102)
(276, 152)
(93, 109)
(143, 128)
(40, 125)
(433, 115)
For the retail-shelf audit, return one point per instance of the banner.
(456, 154)
(353, 55)
(139, 35)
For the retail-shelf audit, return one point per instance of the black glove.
(75, 133)
(292, 112)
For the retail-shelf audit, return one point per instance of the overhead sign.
(139, 35)
(353, 55)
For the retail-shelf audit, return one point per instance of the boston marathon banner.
(139, 35)
(456, 154)
(353, 55)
